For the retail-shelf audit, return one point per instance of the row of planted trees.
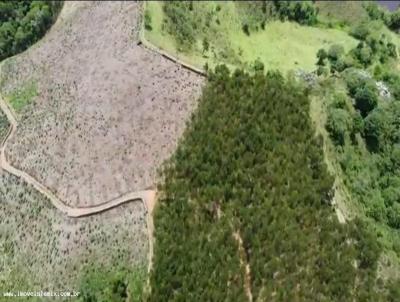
(250, 163)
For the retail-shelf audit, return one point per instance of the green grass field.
(281, 45)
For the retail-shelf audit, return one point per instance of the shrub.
(321, 55)
(322, 70)
(392, 79)
(258, 66)
(206, 45)
(363, 54)
(338, 125)
(147, 21)
(338, 65)
(394, 20)
(355, 78)
(376, 206)
(179, 21)
(376, 130)
(393, 216)
(392, 50)
(360, 31)
(350, 61)
(375, 12)
(391, 195)
(366, 98)
(303, 12)
(335, 52)
(395, 158)
(378, 71)
(339, 100)
(246, 29)
(358, 123)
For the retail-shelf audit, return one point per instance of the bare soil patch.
(108, 112)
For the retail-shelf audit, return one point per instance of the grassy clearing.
(281, 45)
(23, 96)
(164, 40)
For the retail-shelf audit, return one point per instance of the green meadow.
(280, 45)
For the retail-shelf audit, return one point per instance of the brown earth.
(108, 112)
(43, 250)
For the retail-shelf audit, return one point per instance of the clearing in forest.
(220, 37)
(98, 114)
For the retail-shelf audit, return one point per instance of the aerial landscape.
(200, 151)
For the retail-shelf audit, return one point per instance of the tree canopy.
(250, 163)
(22, 23)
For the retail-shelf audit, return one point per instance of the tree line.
(186, 20)
(22, 23)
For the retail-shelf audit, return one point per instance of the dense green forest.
(22, 23)
(250, 164)
(363, 121)
(114, 284)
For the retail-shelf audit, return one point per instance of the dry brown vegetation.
(103, 113)
(42, 249)
(108, 111)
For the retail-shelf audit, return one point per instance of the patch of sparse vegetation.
(4, 124)
(341, 14)
(41, 249)
(23, 96)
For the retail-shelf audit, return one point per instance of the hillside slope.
(218, 35)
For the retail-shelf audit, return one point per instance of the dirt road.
(146, 196)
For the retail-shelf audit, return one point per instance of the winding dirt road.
(148, 197)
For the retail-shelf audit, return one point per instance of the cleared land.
(42, 249)
(106, 112)
(281, 45)
(63, 253)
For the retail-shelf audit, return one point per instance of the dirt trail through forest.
(244, 262)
